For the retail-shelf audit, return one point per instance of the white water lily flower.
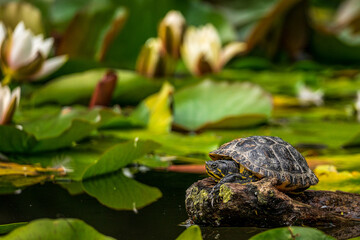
(8, 103)
(202, 51)
(357, 105)
(171, 30)
(24, 56)
(307, 96)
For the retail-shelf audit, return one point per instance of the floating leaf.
(5, 228)
(66, 228)
(353, 142)
(130, 89)
(298, 233)
(50, 133)
(332, 180)
(119, 156)
(191, 233)
(120, 192)
(174, 143)
(220, 105)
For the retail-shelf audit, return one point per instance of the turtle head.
(220, 168)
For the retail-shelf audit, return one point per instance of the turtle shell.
(267, 156)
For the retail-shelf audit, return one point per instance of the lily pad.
(120, 192)
(174, 143)
(5, 228)
(130, 89)
(298, 233)
(221, 105)
(50, 133)
(56, 229)
(119, 156)
(191, 233)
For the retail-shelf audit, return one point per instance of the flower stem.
(6, 80)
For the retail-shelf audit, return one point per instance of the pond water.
(160, 220)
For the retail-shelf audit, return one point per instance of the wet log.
(260, 204)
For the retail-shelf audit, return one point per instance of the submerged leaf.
(298, 233)
(66, 228)
(221, 105)
(120, 192)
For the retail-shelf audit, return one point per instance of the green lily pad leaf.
(220, 105)
(298, 233)
(56, 229)
(54, 125)
(15, 140)
(130, 89)
(120, 192)
(354, 142)
(50, 133)
(6, 228)
(174, 143)
(191, 233)
(119, 156)
(332, 180)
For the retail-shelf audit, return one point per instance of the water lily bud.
(357, 105)
(307, 96)
(171, 31)
(104, 90)
(153, 61)
(202, 52)
(9, 101)
(24, 56)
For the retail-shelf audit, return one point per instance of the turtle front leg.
(231, 178)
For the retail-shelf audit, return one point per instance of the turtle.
(250, 159)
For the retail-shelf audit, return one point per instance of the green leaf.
(56, 229)
(49, 133)
(174, 143)
(191, 233)
(5, 228)
(220, 105)
(119, 156)
(130, 89)
(54, 125)
(353, 142)
(15, 140)
(92, 30)
(120, 192)
(287, 233)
